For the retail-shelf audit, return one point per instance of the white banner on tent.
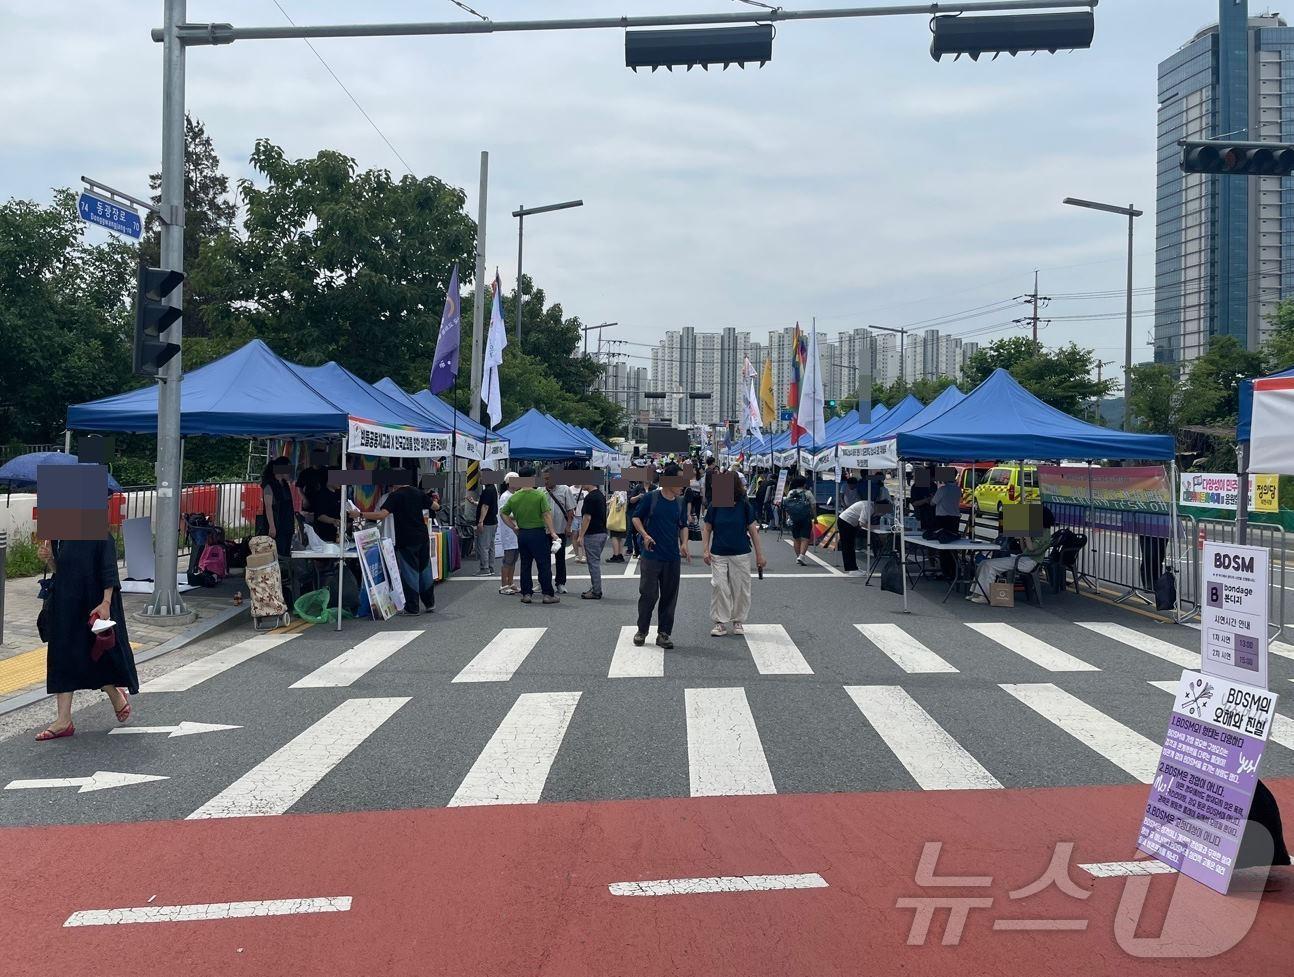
(784, 458)
(824, 461)
(496, 455)
(1271, 449)
(468, 447)
(394, 442)
(873, 457)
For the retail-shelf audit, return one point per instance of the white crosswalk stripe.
(903, 649)
(1035, 650)
(1158, 647)
(514, 766)
(724, 752)
(935, 760)
(278, 782)
(1281, 648)
(352, 664)
(499, 660)
(1282, 730)
(1120, 745)
(774, 651)
(195, 673)
(630, 661)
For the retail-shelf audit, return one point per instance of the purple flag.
(444, 370)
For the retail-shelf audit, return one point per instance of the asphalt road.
(999, 724)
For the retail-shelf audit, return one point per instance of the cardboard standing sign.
(1233, 618)
(377, 580)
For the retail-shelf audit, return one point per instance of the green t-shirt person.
(527, 508)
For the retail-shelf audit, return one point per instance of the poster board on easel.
(377, 579)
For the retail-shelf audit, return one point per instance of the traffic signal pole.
(167, 603)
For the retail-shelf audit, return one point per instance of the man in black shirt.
(592, 537)
(487, 524)
(403, 505)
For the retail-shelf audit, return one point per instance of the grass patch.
(22, 560)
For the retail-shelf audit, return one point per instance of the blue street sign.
(787, 413)
(105, 213)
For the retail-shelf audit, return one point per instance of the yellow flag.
(767, 403)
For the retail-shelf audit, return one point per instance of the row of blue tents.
(997, 420)
(254, 393)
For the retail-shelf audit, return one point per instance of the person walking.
(848, 525)
(487, 526)
(403, 506)
(661, 521)
(505, 543)
(800, 509)
(84, 588)
(529, 512)
(577, 520)
(617, 524)
(728, 535)
(592, 537)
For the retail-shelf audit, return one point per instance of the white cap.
(511, 475)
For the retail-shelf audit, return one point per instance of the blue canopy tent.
(474, 440)
(1244, 435)
(600, 450)
(249, 393)
(536, 436)
(364, 400)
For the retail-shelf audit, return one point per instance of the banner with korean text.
(394, 442)
(1221, 490)
(1134, 500)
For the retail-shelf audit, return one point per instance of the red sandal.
(123, 714)
(46, 735)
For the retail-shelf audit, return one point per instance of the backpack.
(797, 506)
(213, 561)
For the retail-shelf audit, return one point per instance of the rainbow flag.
(799, 356)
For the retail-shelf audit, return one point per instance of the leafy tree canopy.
(1061, 377)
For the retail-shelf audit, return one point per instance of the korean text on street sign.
(105, 213)
(1233, 619)
(1221, 490)
(1199, 801)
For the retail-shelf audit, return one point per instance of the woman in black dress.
(276, 497)
(85, 581)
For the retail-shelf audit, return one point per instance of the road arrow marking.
(99, 780)
(183, 729)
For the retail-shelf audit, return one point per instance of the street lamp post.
(521, 213)
(903, 334)
(1131, 213)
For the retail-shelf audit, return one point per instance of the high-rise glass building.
(1224, 245)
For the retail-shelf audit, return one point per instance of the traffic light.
(1013, 33)
(831, 405)
(719, 45)
(153, 317)
(1237, 158)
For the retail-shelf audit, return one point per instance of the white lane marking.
(283, 778)
(774, 651)
(718, 883)
(513, 767)
(903, 649)
(354, 663)
(208, 911)
(935, 760)
(1158, 647)
(1035, 650)
(1115, 870)
(99, 780)
(724, 753)
(194, 673)
(1281, 648)
(1282, 730)
(499, 660)
(631, 568)
(1120, 745)
(630, 661)
(809, 554)
(185, 728)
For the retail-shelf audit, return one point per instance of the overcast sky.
(852, 178)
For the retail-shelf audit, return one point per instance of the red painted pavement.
(523, 890)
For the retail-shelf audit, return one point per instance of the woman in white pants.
(728, 535)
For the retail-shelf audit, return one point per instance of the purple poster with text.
(1204, 783)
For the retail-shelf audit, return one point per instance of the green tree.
(1278, 349)
(64, 316)
(1061, 377)
(209, 213)
(1155, 400)
(1211, 393)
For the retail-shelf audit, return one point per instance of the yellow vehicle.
(1007, 485)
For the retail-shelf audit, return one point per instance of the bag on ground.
(892, 576)
(1166, 591)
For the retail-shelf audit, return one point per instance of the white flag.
(750, 419)
(494, 346)
(812, 398)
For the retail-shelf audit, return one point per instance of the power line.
(343, 87)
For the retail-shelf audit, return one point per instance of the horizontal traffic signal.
(153, 316)
(1012, 33)
(1237, 158)
(688, 48)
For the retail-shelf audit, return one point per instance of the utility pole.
(167, 603)
(478, 303)
(1036, 300)
(1100, 394)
